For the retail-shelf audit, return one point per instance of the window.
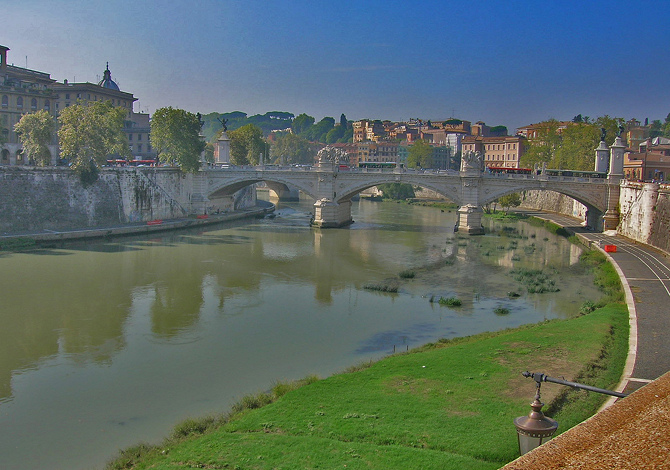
(130, 137)
(33, 104)
(19, 102)
(67, 96)
(139, 148)
(47, 105)
(139, 136)
(5, 101)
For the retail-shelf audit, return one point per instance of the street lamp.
(535, 429)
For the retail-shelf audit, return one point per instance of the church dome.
(107, 81)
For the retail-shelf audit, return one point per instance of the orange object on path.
(610, 248)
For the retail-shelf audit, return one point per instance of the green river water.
(109, 343)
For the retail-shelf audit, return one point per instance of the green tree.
(542, 149)
(175, 136)
(611, 126)
(246, 145)
(36, 131)
(319, 131)
(345, 124)
(655, 128)
(289, 148)
(420, 155)
(509, 200)
(335, 134)
(396, 190)
(89, 133)
(302, 123)
(577, 149)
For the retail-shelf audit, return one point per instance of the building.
(368, 130)
(535, 131)
(636, 134)
(21, 91)
(136, 125)
(503, 151)
(650, 163)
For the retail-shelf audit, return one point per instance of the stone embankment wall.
(645, 213)
(38, 199)
(552, 202)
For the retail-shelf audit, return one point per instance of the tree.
(345, 124)
(420, 155)
(335, 134)
(542, 149)
(396, 190)
(302, 123)
(319, 131)
(291, 149)
(246, 144)
(36, 131)
(89, 133)
(577, 149)
(175, 136)
(509, 200)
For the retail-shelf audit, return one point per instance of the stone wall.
(552, 202)
(645, 213)
(43, 199)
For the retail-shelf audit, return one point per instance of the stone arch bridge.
(332, 187)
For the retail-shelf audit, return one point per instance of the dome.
(107, 81)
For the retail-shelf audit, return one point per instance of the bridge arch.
(227, 186)
(347, 191)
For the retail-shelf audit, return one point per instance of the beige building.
(651, 163)
(22, 91)
(136, 126)
(367, 130)
(498, 151)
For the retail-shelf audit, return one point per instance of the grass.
(17, 243)
(450, 301)
(447, 405)
(550, 226)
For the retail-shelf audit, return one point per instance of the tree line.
(89, 133)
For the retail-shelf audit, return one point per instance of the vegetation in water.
(536, 281)
(450, 301)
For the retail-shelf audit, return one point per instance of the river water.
(107, 344)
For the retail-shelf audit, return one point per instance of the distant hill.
(268, 122)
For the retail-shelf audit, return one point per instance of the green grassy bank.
(446, 405)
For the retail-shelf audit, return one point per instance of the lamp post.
(535, 429)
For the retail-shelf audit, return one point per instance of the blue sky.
(506, 63)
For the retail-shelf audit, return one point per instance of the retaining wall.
(38, 199)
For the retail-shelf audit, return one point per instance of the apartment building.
(21, 91)
(503, 151)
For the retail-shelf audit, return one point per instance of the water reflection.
(130, 335)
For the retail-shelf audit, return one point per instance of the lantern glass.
(535, 429)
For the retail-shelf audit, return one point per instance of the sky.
(509, 63)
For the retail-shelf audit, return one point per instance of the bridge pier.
(470, 219)
(330, 214)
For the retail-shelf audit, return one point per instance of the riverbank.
(446, 405)
(26, 240)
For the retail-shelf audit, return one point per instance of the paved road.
(647, 280)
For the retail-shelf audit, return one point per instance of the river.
(110, 343)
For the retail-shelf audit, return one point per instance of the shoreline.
(136, 228)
